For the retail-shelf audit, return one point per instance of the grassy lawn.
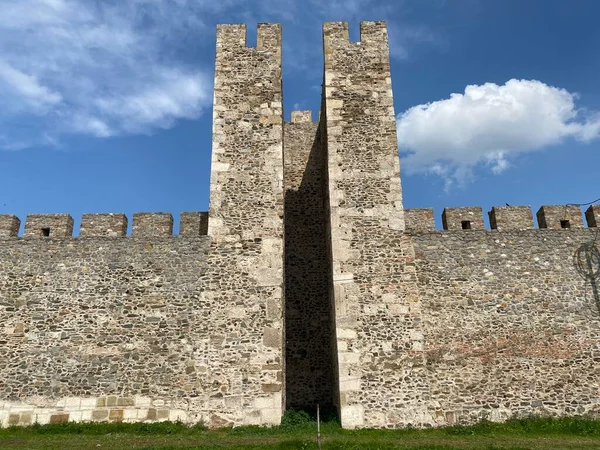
(541, 433)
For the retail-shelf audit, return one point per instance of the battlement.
(559, 216)
(234, 36)
(301, 117)
(419, 220)
(40, 226)
(592, 216)
(466, 218)
(502, 218)
(371, 33)
(193, 224)
(505, 218)
(110, 225)
(48, 225)
(9, 225)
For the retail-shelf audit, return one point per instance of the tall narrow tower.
(378, 338)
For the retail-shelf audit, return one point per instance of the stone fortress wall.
(510, 315)
(153, 326)
(306, 283)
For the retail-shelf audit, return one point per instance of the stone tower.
(374, 294)
(246, 194)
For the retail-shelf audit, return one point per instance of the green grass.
(298, 431)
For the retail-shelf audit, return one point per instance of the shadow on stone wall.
(309, 369)
(587, 263)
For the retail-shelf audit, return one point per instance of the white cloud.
(16, 85)
(113, 67)
(489, 124)
(100, 68)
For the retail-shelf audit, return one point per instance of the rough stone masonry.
(306, 283)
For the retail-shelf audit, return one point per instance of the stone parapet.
(193, 224)
(464, 218)
(48, 226)
(419, 220)
(301, 116)
(9, 226)
(152, 224)
(104, 225)
(592, 216)
(558, 217)
(508, 218)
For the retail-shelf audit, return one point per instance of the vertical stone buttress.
(309, 373)
(246, 206)
(380, 362)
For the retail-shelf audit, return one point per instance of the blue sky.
(106, 104)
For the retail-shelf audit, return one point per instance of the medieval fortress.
(306, 283)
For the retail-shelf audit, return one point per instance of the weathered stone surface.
(371, 265)
(592, 216)
(152, 224)
(558, 217)
(419, 220)
(193, 224)
(48, 225)
(509, 321)
(508, 218)
(109, 225)
(465, 218)
(9, 226)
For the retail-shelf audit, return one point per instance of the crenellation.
(374, 34)
(9, 226)
(152, 224)
(335, 33)
(301, 117)
(268, 37)
(193, 224)
(592, 216)
(463, 218)
(558, 217)
(103, 225)
(508, 218)
(48, 226)
(419, 220)
(230, 36)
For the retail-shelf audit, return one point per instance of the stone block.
(508, 218)
(270, 416)
(556, 217)
(272, 337)
(301, 117)
(193, 224)
(419, 220)
(9, 226)
(272, 387)
(103, 225)
(48, 226)
(115, 414)
(592, 216)
(152, 414)
(152, 224)
(59, 418)
(125, 401)
(14, 419)
(464, 218)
